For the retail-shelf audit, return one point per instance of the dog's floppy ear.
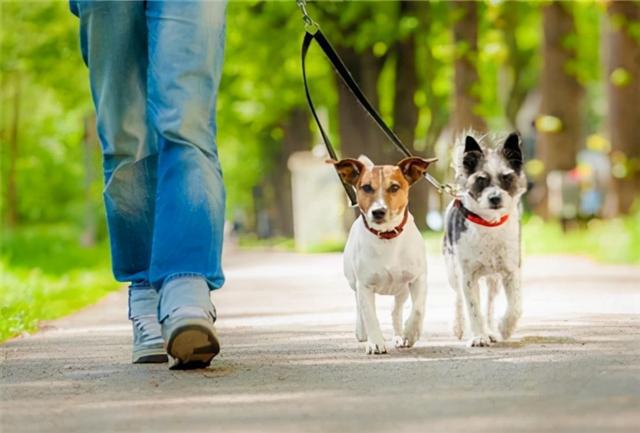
(512, 152)
(414, 167)
(472, 155)
(349, 170)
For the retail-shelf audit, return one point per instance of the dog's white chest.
(389, 280)
(492, 250)
(385, 267)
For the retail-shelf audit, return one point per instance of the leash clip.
(450, 189)
(309, 25)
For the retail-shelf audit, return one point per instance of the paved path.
(290, 362)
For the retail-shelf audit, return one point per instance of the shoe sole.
(192, 346)
(150, 355)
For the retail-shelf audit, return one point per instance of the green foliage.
(46, 274)
(261, 84)
(41, 70)
(613, 241)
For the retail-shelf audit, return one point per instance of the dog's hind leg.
(511, 282)
(492, 291)
(413, 325)
(396, 318)
(458, 312)
(361, 332)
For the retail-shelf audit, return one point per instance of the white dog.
(482, 233)
(385, 252)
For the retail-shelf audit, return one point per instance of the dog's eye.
(367, 188)
(506, 179)
(394, 188)
(482, 181)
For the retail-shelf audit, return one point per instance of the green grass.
(47, 274)
(610, 241)
(252, 242)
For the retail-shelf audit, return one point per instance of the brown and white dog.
(385, 252)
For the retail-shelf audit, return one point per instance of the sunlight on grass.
(614, 241)
(46, 274)
(611, 241)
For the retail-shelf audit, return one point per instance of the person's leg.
(186, 43)
(113, 40)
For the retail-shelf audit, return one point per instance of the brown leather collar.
(391, 233)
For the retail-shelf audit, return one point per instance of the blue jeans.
(154, 69)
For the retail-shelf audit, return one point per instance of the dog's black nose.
(495, 200)
(378, 214)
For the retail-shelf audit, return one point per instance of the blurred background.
(566, 75)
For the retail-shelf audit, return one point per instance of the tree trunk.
(358, 133)
(623, 72)
(560, 127)
(465, 33)
(519, 59)
(12, 185)
(296, 137)
(405, 111)
(561, 91)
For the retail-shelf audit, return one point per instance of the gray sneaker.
(148, 345)
(190, 338)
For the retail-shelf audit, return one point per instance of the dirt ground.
(290, 362)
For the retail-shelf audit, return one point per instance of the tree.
(465, 32)
(405, 109)
(42, 76)
(434, 71)
(358, 134)
(623, 72)
(296, 136)
(559, 124)
(517, 21)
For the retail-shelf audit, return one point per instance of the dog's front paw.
(480, 341)
(375, 347)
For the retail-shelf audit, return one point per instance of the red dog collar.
(391, 233)
(477, 219)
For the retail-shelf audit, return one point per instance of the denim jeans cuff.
(185, 290)
(143, 301)
(139, 285)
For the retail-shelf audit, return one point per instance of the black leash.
(313, 33)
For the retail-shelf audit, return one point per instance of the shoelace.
(148, 326)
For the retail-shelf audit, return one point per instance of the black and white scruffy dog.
(482, 233)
